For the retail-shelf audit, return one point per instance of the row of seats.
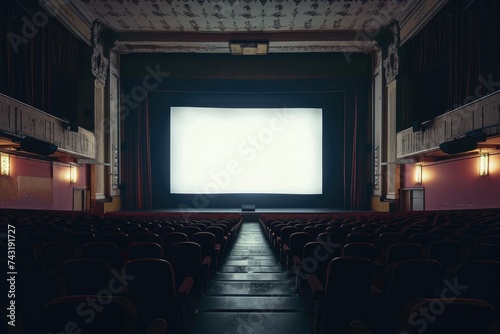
(369, 270)
(141, 272)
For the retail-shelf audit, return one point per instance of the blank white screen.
(245, 150)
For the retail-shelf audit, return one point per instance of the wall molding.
(482, 114)
(18, 119)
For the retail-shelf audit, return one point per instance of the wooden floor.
(251, 293)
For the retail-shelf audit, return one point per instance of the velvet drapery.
(32, 42)
(136, 158)
(464, 37)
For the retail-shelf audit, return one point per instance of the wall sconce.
(4, 164)
(418, 174)
(484, 164)
(72, 174)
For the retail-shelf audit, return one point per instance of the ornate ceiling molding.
(419, 15)
(324, 26)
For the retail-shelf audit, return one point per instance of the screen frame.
(333, 104)
(212, 149)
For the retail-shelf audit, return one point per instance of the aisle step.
(251, 292)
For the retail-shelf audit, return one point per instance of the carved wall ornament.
(391, 61)
(100, 62)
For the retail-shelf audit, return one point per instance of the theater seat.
(85, 276)
(361, 249)
(345, 296)
(402, 282)
(209, 249)
(152, 288)
(297, 242)
(316, 257)
(117, 315)
(142, 250)
(452, 316)
(185, 258)
(105, 251)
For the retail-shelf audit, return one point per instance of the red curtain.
(356, 171)
(136, 159)
(27, 55)
(467, 35)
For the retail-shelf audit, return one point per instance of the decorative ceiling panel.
(245, 15)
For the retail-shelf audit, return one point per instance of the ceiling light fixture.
(249, 48)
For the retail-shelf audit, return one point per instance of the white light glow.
(418, 174)
(4, 164)
(261, 151)
(483, 164)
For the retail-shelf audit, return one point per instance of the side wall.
(36, 184)
(456, 184)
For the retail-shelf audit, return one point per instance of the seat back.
(172, 238)
(86, 276)
(285, 234)
(403, 251)
(142, 250)
(105, 251)
(424, 239)
(313, 230)
(152, 288)
(190, 230)
(185, 258)
(32, 291)
(481, 279)
(446, 252)
(361, 249)
(446, 316)
(316, 257)
(412, 279)
(297, 242)
(206, 240)
(347, 295)
(483, 252)
(148, 237)
(330, 237)
(118, 315)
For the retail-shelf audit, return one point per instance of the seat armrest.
(315, 285)
(217, 248)
(375, 290)
(206, 262)
(286, 249)
(297, 262)
(185, 288)
(158, 326)
(358, 327)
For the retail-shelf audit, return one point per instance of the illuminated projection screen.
(245, 150)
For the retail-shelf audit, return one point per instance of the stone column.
(100, 64)
(114, 124)
(378, 124)
(391, 68)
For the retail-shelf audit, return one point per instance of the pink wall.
(63, 190)
(456, 184)
(37, 184)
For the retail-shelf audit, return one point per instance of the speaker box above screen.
(248, 207)
(459, 145)
(37, 146)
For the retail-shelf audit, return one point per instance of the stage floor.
(257, 210)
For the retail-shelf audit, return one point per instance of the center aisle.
(251, 293)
